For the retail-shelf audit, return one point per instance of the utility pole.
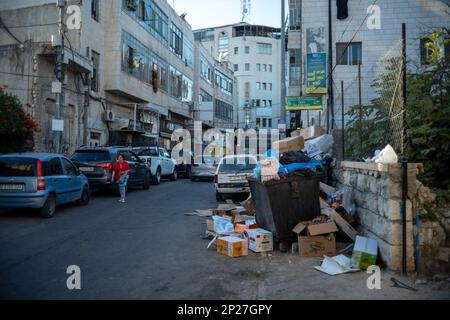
(283, 63)
(360, 129)
(404, 159)
(330, 112)
(59, 72)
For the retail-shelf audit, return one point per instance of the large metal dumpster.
(281, 205)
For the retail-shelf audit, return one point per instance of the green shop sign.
(304, 103)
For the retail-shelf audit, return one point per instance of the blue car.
(40, 181)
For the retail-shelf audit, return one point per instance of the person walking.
(120, 176)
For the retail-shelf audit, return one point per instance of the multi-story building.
(129, 69)
(365, 34)
(215, 90)
(253, 53)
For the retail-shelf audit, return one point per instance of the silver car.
(203, 169)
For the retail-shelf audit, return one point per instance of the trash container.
(281, 205)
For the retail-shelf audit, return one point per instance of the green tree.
(16, 126)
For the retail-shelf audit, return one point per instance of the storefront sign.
(304, 103)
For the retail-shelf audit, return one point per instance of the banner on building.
(304, 103)
(316, 73)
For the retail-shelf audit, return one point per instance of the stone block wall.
(376, 191)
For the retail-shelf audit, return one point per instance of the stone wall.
(376, 191)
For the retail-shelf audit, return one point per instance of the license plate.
(12, 187)
(87, 169)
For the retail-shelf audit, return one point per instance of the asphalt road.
(149, 249)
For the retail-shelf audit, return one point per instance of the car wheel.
(174, 175)
(147, 179)
(157, 177)
(85, 197)
(49, 208)
(219, 197)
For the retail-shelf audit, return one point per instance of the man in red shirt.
(120, 176)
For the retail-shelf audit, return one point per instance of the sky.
(212, 13)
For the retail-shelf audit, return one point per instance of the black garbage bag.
(294, 157)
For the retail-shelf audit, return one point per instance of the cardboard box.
(316, 240)
(248, 205)
(232, 246)
(343, 225)
(259, 240)
(210, 225)
(365, 253)
(309, 133)
(241, 226)
(290, 144)
(223, 209)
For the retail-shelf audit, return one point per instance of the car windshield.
(237, 165)
(17, 167)
(144, 152)
(91, 156)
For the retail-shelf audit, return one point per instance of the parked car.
(40, 181)
(98, 163)
(232, 173)
(203, 169)
(160, 163)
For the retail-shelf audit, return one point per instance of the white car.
(232, 173)
(160, 162)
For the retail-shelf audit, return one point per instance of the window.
(425, 52)
(95, 10)
(186, 89)
(264, 67)
(295, 64)
(247, 90)
(175, 83)
(264, 103)
(236, 50)
(158, 22)
(223, 110)
(270, 86)
(264, 48)
(206, 70)
(224, 83)
(264, 86)
(207, 35)
(264, 122)
(223, 42)
(270, 103)
(270, 68)
(269, 123)
(258, 86)
(349, 53)
(258, 122)
(69, 168)
(205, 96)
(188, 53)
(95, 71)
(236, 68)
(295, 14)
(258, 103)
(258, 67)
(247, 50)
(176, 40)
(54, 167)
(247, 67)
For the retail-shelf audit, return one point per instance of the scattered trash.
(223, 225)
(336, 265)
(365, 252)
(200, 213)
(232, 246)
(289, 144)
(401, 285)
(259, 240)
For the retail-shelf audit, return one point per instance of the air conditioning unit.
(170, 126)
(110, 116)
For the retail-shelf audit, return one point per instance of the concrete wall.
(376, 190)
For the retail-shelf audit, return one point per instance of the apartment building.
(252, 52)
(215, 90)
(364, 35)
(129, 70)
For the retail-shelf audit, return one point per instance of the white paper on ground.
(336, 265)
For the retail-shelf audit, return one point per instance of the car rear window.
(17, 167)
(146, 152)
(235, 165)
(91, 156)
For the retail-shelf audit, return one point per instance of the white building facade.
(252, 52)
(364, 32)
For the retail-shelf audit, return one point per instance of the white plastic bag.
(322, 144)
(385, 156)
